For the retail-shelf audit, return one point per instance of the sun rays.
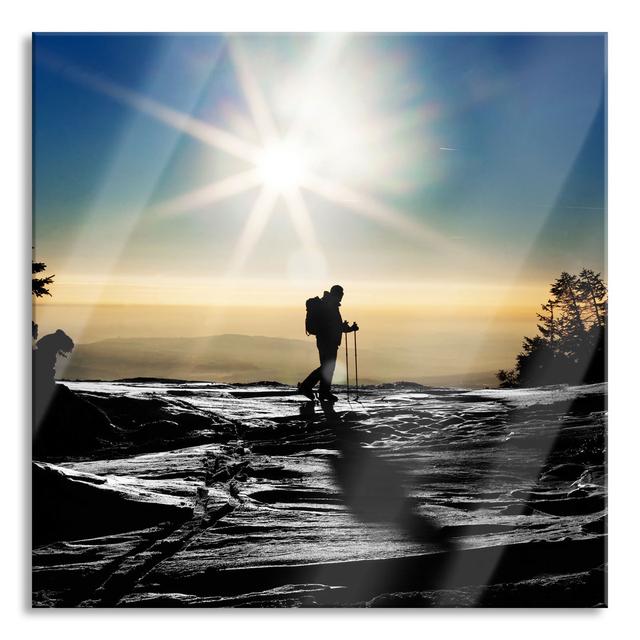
(282, 168)
(282, 164)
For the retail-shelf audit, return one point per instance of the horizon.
(456, 351)
(444, 180)
(106, 361)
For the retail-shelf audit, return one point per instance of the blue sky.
(494, 142)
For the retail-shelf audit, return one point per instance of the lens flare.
(313, 130)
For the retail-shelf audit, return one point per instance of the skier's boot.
(305, 391)
(327, 396)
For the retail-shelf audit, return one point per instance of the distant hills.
(235, 358)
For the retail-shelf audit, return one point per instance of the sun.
(281, 166)
(323, 135)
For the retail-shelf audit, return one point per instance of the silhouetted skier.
(325, 322)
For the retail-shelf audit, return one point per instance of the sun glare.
(329, 141)
(281, 167)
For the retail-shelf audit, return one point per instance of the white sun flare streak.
(371, 208)
(301, 220)
(255, 224)
(256, 102)
(324, 56)
(200, 198)
(203, 131)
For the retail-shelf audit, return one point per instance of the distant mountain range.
(236, 358)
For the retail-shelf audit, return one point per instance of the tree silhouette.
(566, 291)
(593, 293)
(39, 289)
(570, 347)
(548, 321)
(39, 285)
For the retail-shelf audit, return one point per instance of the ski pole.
(346, 349)
(355, 352)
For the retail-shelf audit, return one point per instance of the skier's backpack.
(314, 307)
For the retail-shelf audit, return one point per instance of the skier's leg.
(328, 356)
(306, 386)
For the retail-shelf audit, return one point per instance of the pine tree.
(571, 344)
(566, 290)
(39, 289)
(593, 292)
(548, 322)
(39, 285)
